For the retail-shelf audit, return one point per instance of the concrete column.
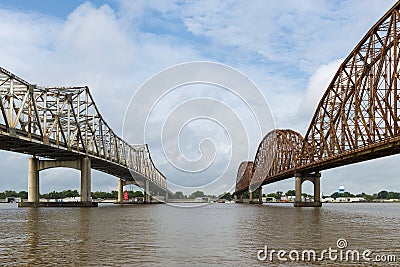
(251, 196)
(298, 182)
(86, 183)
(260, 194)
(147, 198)
(121, 184)
(33, 180)
(315, 179)
(235, 198)
(166, 196)
(317, 187)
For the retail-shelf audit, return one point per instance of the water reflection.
(213, 235)
(32, 221)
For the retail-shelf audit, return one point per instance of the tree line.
(69, 194)
(381, 195)
(181, 195)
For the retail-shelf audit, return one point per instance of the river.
(211, 235)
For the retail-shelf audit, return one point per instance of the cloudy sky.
(289, 49)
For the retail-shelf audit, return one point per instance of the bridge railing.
(357, 118)
(68, 117)
(361, 104)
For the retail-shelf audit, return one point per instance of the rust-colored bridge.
(356, 120)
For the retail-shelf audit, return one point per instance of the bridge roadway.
(374, 151)
(356, 120)
(63, 126)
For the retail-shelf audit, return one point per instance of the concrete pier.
(86, 180)
(33, 180)
(36, 165)
(238, 198)
(259, 200)
(147, 196)
(315, 179)
(121, 184)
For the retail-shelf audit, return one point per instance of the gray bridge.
(63, 126)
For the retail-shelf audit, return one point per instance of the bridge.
(62, 127)
(356, 120)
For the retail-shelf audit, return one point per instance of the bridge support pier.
(33, 180)
(259, 200)
(315, 179)
(36, 165)
(147, 196)
(238, 198)
(86, 180)
(121, 184)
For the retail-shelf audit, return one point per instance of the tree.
(226, 196)
(393, 195)
(291, 193)
(197, 194)
(138, 194)
(23, 195)
(383, 194)
(10, 193)
(345, 194)
(348, 194)
(71, 193)
(274, 195)
(179, 195)
(104, 195)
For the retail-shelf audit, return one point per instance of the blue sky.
(59, 8)
(289, 50)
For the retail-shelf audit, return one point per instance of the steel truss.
(357, 118)
(64, 122)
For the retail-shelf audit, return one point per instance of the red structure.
(356, 120)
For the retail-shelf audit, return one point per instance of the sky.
(290, 51)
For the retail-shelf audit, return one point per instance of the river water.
(212, 235)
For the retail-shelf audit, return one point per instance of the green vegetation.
(114, 194)
(226, 196)
(180, 195)
(381, 195)
(279, 194)
(10, 193)
(197, 194)
(69, 194)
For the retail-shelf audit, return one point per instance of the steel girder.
(361, 105)
(244, 175)
(357, 118)
(280, 150)
(66, 118)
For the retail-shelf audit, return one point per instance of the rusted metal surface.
(357, 118)
(64, 123)
(279, 151)
(243, 176)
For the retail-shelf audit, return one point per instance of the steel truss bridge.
(356, 120)
(65, 125)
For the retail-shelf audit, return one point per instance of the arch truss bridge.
(356, 120)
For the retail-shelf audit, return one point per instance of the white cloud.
(289, 50)
(317, 85)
